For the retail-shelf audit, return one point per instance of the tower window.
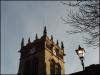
(34, 67)
(55, 68)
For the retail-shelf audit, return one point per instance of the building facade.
(93, 69)
(42, 56)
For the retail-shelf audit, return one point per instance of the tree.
(86, 20)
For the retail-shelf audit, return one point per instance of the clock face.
(54, 52)
(32, 50)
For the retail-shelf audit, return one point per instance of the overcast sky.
(25, 19)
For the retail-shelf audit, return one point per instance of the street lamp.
(80, 52)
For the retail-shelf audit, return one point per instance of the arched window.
(34, 66)
(55, 68)
(52, 70)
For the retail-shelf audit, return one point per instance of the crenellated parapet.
(41, 44)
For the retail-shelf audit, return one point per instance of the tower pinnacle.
(62, 45)
(57, 42)
(29, 40)
(22, 43)
(51, 37)
(36, 37)
(45, 31)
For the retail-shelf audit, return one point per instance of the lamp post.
(80, 52)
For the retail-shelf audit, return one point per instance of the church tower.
(42, 56)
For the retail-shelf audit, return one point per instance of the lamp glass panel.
(81, 53)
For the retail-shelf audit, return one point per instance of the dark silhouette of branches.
(86, 20)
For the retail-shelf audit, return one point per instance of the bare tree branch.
(87, 20)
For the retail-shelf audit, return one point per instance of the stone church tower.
(42, 56)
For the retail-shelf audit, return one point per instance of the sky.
(25, 19)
